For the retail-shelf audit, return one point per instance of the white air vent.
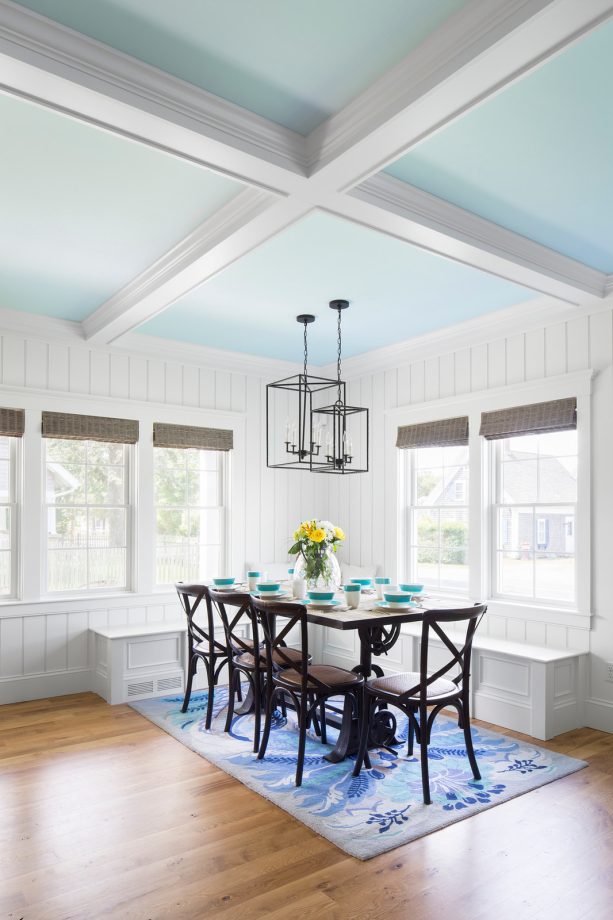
(170, 683)
(141, 689)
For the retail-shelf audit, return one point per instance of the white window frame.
(409, 474)
(495, 448)
(577, 384)
(130, 507)
(14, 505)
(224, 516)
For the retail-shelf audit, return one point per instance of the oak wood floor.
(104, 815)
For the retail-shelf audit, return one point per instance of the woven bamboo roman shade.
(191, 436)
(448, 432)
(539, 418)
(12, 423)
(89, 428)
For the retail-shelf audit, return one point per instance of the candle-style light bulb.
(287, 431)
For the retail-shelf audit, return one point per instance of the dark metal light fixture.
(345, 447)
(293, 442)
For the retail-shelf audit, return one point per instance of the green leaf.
(293, 550)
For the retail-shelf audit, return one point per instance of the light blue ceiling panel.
(396, 291)
(83, 211)
(292, 61)
(538, 157)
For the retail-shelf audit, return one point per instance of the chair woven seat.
(247, 660)
(327, 674)
(397, 684)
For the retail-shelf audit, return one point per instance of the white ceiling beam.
(408, 213)
(475, 54)
(249, 219)
(47, 63)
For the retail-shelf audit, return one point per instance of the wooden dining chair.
(291, 672)
(201, 642)
(234, 611)
(417, 693)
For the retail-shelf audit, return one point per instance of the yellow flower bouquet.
(315, 543)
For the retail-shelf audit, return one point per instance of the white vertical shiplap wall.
(43, 644)
(358, 503)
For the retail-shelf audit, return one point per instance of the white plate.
(270, 595)
(401, 608)
(322, 605)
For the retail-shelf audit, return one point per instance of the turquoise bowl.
(397, 597)
(412, 589)
(321, 595)
(223, 582)
(365, 582)
(383, 581)
(268, 587)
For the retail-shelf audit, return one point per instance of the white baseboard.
(599, 715)
(40, 686)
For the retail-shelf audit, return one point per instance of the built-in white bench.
(532, 689)
(136, 662)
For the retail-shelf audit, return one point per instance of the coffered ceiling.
(205, 172)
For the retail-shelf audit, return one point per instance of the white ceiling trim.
(70, 59)
(538, 266)
(66, 332)
(475, 54)
(470, 333)
(197, 257)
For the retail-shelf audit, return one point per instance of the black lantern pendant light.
(345, 443)
(322, 438)
(292, 440)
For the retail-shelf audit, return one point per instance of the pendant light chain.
(338, 360)
(306, 353)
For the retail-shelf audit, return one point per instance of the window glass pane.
(65, 483)
(190, 517)
(518, 481)
(558, 479)
(516, 574)
(438, 535)
(535, 530)
(5, 477)
(555, 576)
(5, 573)
(86, 540)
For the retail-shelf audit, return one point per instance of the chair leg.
(302, 728)
(366, 709)
(468, 739)
(423, 738)
(270, 705)
(191, 670)
(322, 722)
(232, 675)
(411, 738)
(210, 673)
(257, 709)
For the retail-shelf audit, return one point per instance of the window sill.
(561, 616)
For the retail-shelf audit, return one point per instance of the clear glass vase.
(319, 569)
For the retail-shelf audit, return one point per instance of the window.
(189, 496)
(535, 505)
(88, 514)
(8, 515)
(437, 506)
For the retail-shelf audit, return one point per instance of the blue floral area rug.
(383, 807)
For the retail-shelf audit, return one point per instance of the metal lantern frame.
(303, 442)
(305, 451)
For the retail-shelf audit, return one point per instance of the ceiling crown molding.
(414, 204)
(42, 43)
(126, 307)
(513, 320)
